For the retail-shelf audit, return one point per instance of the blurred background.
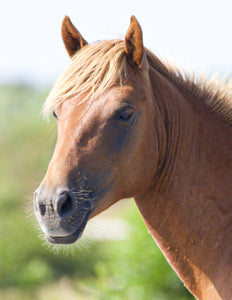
(116, 258)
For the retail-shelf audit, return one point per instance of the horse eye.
(55, 115)
(125, 114)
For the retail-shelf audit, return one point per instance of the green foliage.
(135, 268)
(129, 269)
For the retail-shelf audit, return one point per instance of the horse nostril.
(64, 204)
(39, 206)
(42, 209)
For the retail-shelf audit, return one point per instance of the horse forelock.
(99, 66)
(93, 69)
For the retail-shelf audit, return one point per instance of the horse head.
(104, 110)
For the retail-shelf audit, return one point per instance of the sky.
(194, 35)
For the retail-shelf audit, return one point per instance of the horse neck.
(188, 208)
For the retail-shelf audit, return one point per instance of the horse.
(132, 125)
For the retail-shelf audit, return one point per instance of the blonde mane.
(97, 67)
(93, 69)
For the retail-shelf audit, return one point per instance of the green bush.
(136, 269)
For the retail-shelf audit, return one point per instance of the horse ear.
(72, 38)
(134, 42)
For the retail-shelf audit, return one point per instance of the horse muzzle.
(61, 215)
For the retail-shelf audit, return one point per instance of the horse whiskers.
(83, 194)
(67, 250)
(72, 249)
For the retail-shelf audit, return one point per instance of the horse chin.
(69, 239)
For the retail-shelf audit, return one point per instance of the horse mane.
(93, 69)
(215, 93)
(97, 67)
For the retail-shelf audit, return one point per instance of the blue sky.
(192, 34)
